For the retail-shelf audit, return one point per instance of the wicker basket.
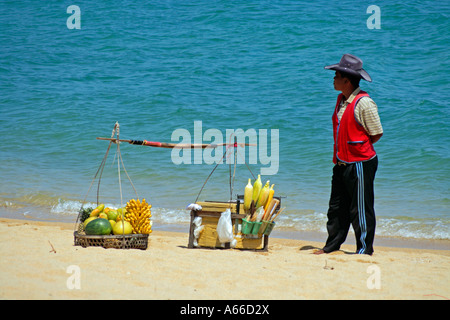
(127, 241)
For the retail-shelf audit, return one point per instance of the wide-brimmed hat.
(351, 64)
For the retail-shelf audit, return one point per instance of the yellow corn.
(270, 197)
(263, 195)
(248, 193)
(257, 188)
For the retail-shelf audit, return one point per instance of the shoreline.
(308, 225)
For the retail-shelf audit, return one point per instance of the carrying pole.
(176, 145)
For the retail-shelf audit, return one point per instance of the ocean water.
(161, 66)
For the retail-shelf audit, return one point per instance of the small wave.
(403, 226)
(64, 207)
(307, 220)
(170, 216)
(422, 229)
(10, 204)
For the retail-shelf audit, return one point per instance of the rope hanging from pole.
(235, 152)
(115, 132)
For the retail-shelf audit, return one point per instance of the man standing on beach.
(356, 127)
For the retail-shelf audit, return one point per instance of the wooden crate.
(210, 214)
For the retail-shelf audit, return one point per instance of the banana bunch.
(138, 215)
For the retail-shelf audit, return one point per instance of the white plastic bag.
(197, 229)
(225, 229)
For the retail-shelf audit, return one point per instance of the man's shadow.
(309, 247)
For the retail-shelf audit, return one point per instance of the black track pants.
(352, 202)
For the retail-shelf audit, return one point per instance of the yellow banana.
(138, 214)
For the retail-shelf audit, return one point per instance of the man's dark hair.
(354, 80)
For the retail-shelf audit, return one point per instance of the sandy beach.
(40, 261)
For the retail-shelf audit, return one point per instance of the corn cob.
(270, 197)
(138, 215)
(248, 193)
(257, 189)
(263, 195)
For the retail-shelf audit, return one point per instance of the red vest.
(351, 141)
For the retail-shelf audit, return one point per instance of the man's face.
(339, 82)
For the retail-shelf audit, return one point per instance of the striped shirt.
(366, 113)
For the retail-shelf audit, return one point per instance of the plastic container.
(256, 227)
(269, 228)
(263, 227)
(247, 226)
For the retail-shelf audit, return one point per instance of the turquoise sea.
(156, 67)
